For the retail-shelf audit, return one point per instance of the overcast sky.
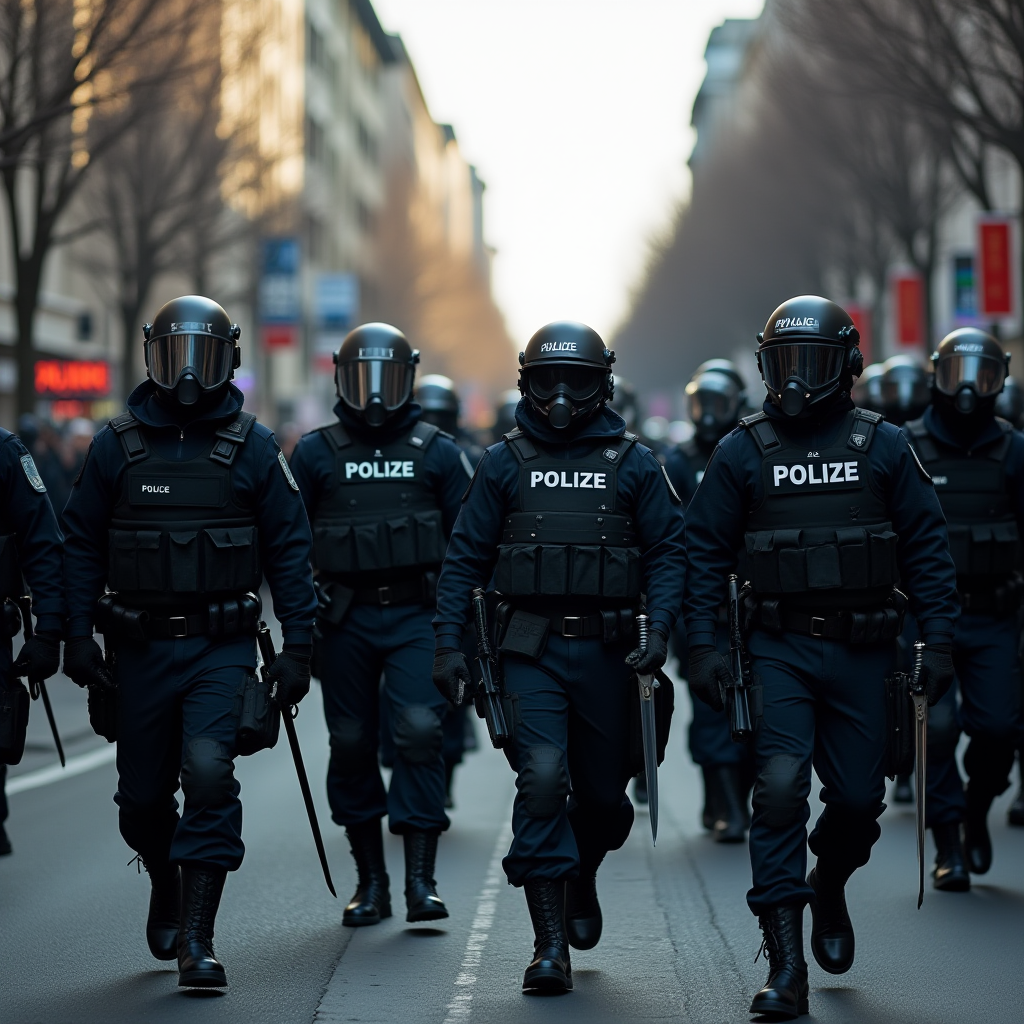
(577, 116)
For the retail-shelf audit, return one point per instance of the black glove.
(84, 664)
(937, 671)
(709, 676)
(451, 675)
(39, 657)
(291, 673)
(647, 661)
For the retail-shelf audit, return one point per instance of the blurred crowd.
(59, 452)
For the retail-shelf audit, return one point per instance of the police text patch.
(577, 478)
(381, 469)
(814, 475)
(283, 462)
(32, 474)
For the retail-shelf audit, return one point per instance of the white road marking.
(76, 766)
(458, 1010)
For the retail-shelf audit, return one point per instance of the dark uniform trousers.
(6, 661)
(572, 730)
(397, 640)
(988, 678)
(824, 707)
(177, 719)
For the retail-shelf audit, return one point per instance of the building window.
(363, 215)
(367, 143)
(316, 142)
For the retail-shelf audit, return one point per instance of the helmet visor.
(904, 392)
(984, 373)
(210, 359)
(714, 405)
(358, 382)
(577, 382)
(815, 365)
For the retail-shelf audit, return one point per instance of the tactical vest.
(821, 532)
(379, 515)
(178, 533)
(972, 489)
(569, 539)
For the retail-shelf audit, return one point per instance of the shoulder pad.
(862, 429)
(422, 434)
(522, 447)
(336, 434)
(761, 429)
(231, 437)
(129, 430)
(630, 436)
(617, 448)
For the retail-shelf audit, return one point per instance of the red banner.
(908, 301)
(68, 378)
(861, 317)
(280, 336)
(995, 268)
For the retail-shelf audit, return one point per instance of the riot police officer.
(867, 389)
(382, 488)
(717, 396)
(30, 551)
(904, 390)
(575, 520)
(977, 463)
(185, 502)
(834, 510)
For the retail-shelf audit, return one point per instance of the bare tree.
(68, 71)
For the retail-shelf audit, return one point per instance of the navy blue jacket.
(25, 511)
(732, 487)
(1014, 465)
(256, 475)
(686, 470)
(642, 493)
(444, 471)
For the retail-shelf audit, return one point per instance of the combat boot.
(730, 820)
(950, 873)
(712, 798)
(371, 902)
(903, 791)
(832, 939)
(201, 888)
(164, 910)
(583, 920)
(421, 900)
(550, 970)
(784, 995)
(977, 841)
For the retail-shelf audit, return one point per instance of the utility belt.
(1000, 597)
(526, 633)
(852, 626)
(334, 598)
(227, 617)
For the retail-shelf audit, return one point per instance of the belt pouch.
(899, 748)
(12, 619)
(229, 609)
(527, 635)
(259, 722)
(129, 623)
(859, 628)
(13, 721)
(214, 619)
(610, 626)
(103, 712)
(771, 619)
(248, 614)
(335, 601)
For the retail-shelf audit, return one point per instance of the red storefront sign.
(861, 317)
(995, 268)
(280, 336)
(69, 378)
(908, 304)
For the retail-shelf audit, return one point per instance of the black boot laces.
(548, 921)
(201, 913)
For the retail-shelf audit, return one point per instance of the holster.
(103, 712)
(333, 603)
(14, 700)
(521, 632)
(11, 625)
(664, 698)
(259, 720)
(899, 720)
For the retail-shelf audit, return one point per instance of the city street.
(679, 943)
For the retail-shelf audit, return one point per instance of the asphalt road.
(679, 942)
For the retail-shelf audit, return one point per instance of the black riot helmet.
(191, 348)
(375, 369)
(566, 372)
(437, 397)
(625, 403)
(717, 394)
(905, 391)
(867, 390)
(1009, 404)
(808, 354)
(505, 413)
(970, 370)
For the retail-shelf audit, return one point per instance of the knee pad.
(352, 751)
(943, 730)
(781, 791)
(544, 782)
(207, 774)
(419, 737)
